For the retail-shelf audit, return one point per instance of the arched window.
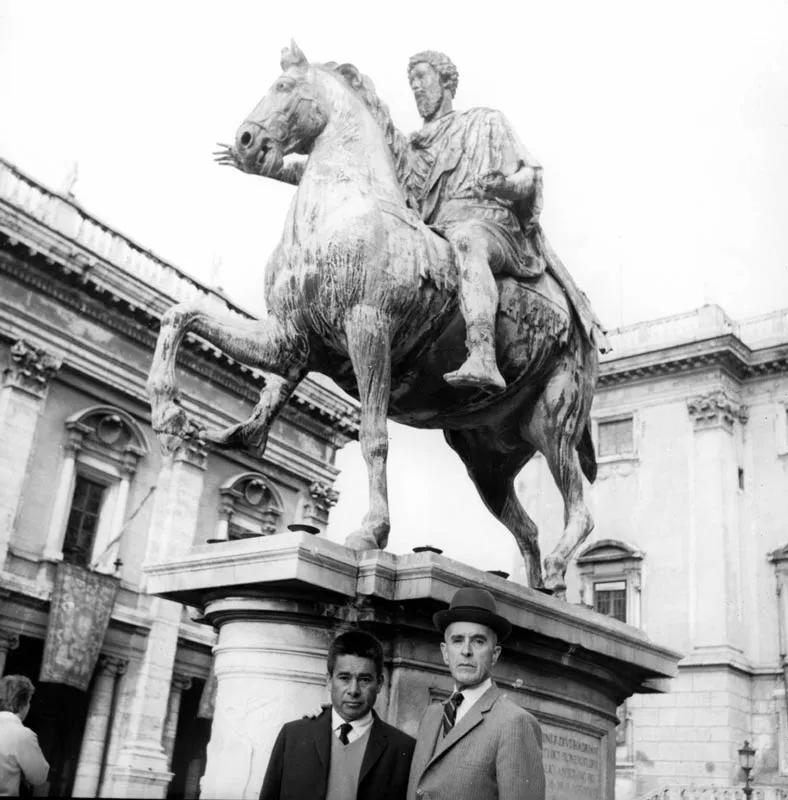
(104, 447)
(611, 579)
(250, 506)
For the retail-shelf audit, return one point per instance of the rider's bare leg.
(478, 305)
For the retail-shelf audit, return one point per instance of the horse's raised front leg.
(265, 344)
(370, 353)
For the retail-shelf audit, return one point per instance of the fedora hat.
(473, 605)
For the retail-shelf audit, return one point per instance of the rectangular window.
(616, 437)
(83, 521)
(610, 598)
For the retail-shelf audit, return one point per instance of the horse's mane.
(363, 86)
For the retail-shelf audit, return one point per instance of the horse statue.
(361, 290)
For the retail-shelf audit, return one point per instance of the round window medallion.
(110, 429)
(254, 493)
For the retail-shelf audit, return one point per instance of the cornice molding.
(723, 352)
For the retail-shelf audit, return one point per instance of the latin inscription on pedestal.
(572, 764)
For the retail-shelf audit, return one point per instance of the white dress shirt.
(470, 696)
(360, 726)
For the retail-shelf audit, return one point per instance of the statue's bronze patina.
(397, 256)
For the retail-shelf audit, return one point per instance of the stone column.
(22, 395)
(53, 548)
(142, 768)
(270, 664)
(180, 684)
(91, 754)
(8, 642)
(714, 537)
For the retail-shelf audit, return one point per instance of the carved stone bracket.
(8, 641)
(323, 494)
(31, 368)
(716, 409)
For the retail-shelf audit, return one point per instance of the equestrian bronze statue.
(414, 272)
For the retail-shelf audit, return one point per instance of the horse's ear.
(293, 57)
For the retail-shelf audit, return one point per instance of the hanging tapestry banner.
(79, 616)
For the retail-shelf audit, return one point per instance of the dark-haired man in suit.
(347, 752)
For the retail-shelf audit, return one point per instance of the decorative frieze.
(31, 368)
(716, 409)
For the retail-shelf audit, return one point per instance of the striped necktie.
(344, 730)
(450, 711)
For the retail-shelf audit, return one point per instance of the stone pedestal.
(278, 601)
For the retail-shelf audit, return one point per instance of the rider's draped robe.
(438, 170)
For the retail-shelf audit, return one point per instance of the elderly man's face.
(469, 651)
(425, 82)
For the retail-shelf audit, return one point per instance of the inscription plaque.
(572, 764)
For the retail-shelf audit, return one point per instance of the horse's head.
(287, 120)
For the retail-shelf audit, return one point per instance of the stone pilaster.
(142, 768)
(180, 684)
(715, 583)
(8, 642)
(91, 754)
(22, 394)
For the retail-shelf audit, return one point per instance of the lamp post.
(747, 762)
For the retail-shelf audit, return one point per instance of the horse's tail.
(586, 454)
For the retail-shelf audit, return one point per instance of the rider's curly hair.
(442, 64)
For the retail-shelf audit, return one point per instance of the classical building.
(87, 498)
(690, 423)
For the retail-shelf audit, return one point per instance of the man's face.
(354, 686)
(427, 89)
(470, 651)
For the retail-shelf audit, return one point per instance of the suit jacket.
(493, 753)
(298, 769)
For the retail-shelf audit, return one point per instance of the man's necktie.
(344, 730)
(450, 711)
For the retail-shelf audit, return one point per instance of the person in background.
(20, 755)
(347, 752)
(478, 745)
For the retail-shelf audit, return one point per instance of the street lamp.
(747, 762)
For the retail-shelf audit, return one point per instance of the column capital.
(323, 494)
(193, 452)
(31, 368)
(181, 682)
(8, 641)
(717, 409)
(112, 665)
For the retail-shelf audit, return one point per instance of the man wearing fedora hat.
(479, 745)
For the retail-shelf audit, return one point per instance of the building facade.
(85, 490)
(690, 423)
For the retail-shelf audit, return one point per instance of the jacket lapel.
(473, 718)
(323, 739)
(376, 744)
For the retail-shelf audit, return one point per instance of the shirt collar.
(359, 725)
(10, 715)
(470, 696)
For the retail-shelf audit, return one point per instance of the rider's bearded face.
(425, 82)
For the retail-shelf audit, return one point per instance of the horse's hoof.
(362, 540)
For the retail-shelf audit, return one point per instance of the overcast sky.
(662, 128)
